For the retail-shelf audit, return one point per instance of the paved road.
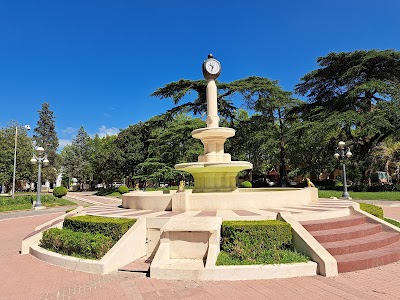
(25, 277)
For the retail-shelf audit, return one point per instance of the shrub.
(372, 209)
(114, 228)
(80, 244)
(246, 184)
(60, 191)
(359, 188)
(250, 240)
(123, 189)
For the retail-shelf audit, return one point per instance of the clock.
(211, 68)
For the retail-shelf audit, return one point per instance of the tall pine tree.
(45, 136)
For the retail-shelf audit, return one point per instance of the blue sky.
(97, 62)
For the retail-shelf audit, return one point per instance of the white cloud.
(103, 131)
(69, 130)
(62, 143)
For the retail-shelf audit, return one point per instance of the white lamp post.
(27, 127)
(342, 153)
(40, 158)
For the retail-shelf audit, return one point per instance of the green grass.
(392, 196)
(267, 258)
(108, 192)
(7, 203)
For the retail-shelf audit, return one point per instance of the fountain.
(215, 173)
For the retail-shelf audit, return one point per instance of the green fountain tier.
(214, 172)
(214, 176)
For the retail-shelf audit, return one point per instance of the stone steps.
(368, 259)
(334, 223)
(356, 242)
(366, 243)
(346, 233)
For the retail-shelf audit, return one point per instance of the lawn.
(7, 203)
(392, 196)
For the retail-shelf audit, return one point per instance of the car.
(116, 184)
(99, 186)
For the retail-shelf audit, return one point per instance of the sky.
(97, 62)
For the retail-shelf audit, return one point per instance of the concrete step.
(141, 265)
(184, 264)
(333, 223)
(368, 259)
(365, 243)
(346, 233)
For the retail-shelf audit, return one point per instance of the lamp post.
(40, 159)
(27, 127)
(342, 153)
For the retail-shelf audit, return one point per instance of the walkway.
(324, 206)
(25, 277)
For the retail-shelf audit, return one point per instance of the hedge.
(246, 184)
(249, 240)
(60, 191)
(123, 189)
(372, 209)
(79, 244)
(114, 228)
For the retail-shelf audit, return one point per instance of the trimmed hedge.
(123, 189)
(114, 228)
(393, 222)
(60, 191)
(252, 240)
(246, 184)
(374, 210)
(79, 244)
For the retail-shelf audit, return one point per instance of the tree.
(45, 136)
(178, 90)
(173, 143)
(76, 158)
(387, 155)
(104, 159)
(167, 143)
(131, 148)
(24, 170)
(272, 118)
(353, 96)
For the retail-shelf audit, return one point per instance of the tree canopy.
(354, 97)
(351, 96)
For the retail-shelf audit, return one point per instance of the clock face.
(212, 67)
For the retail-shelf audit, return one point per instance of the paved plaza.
(25, 277)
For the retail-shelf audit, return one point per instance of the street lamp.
(27, 127)
(343, 152)
(40, 159)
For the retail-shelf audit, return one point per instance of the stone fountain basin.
(212, 132)
(239, 199)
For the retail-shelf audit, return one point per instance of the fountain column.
(212, 105)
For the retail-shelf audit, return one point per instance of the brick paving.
(25, 277)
